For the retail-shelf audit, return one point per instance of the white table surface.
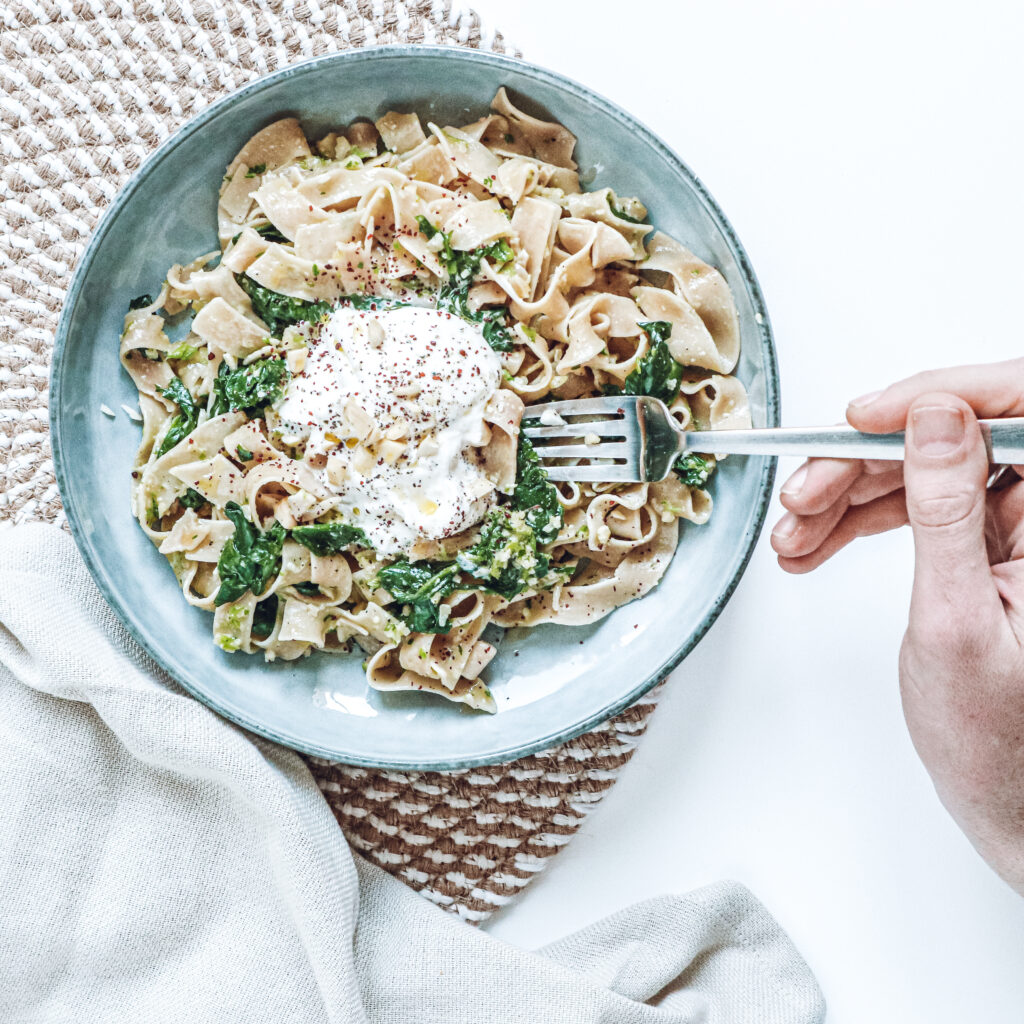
(869, 158)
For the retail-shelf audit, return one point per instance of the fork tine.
(602, 428)
(593, 474)
(584, 451)
(615, 406)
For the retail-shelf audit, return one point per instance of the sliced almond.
(375, 333)
(363, 461)
(337, 471)
(391, 451)
(397, 430)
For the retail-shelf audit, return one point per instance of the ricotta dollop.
(390, 404)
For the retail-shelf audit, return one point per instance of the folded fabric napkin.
(159, 864)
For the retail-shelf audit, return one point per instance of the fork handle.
(1004, 440)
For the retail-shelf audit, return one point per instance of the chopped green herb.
(509, 138)
(256, 170)
(243, 453)
(279, 311)
(249, 387)
(186, 419)
(329, 538)
(694, 470)
(249, 558)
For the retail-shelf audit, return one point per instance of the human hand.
(961, 664)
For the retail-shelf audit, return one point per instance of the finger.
(945, 472)
(991, 390)
(795, 536)
(819, 483)
(873, 485)
(878, 516)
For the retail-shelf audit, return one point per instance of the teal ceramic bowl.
(550, 683)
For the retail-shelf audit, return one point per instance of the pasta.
(317, 484)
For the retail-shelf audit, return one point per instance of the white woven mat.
(88, 88)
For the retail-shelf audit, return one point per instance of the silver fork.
(629, 438)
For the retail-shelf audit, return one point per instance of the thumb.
(945, 473)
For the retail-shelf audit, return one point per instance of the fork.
(634, 439)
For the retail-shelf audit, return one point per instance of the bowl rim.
(499, 62)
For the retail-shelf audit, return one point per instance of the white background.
(869, 156)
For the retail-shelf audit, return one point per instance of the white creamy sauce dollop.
(390, 404)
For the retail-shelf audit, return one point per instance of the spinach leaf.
(270, 233)
(420, 586)
(309, 589)
(617, 211)
(656, 373)
(694, 470)
(279, 311)
(243, 453)
(249, 558)
(184, 422)
(140, 302)
(191, 499)
(249, 387)
(462, 268)
(535, 494)
(329, 538)
(264, 617)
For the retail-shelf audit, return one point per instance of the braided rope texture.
(88, 89)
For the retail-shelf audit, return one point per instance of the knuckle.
(944, 510)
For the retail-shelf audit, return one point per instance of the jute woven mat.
(88, 88)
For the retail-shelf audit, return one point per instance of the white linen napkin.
(158, 864)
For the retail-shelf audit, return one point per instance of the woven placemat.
(89, 89)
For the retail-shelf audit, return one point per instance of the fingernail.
(786, 526)
(859, 403)
(795, 484)
(937, 429)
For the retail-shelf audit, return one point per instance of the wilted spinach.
(420, 586)
(279, 311)
(535, 495)
(249, 558)
(186, 419)
(329, 538)
(249, 387)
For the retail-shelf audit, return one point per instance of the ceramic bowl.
(550, 683)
